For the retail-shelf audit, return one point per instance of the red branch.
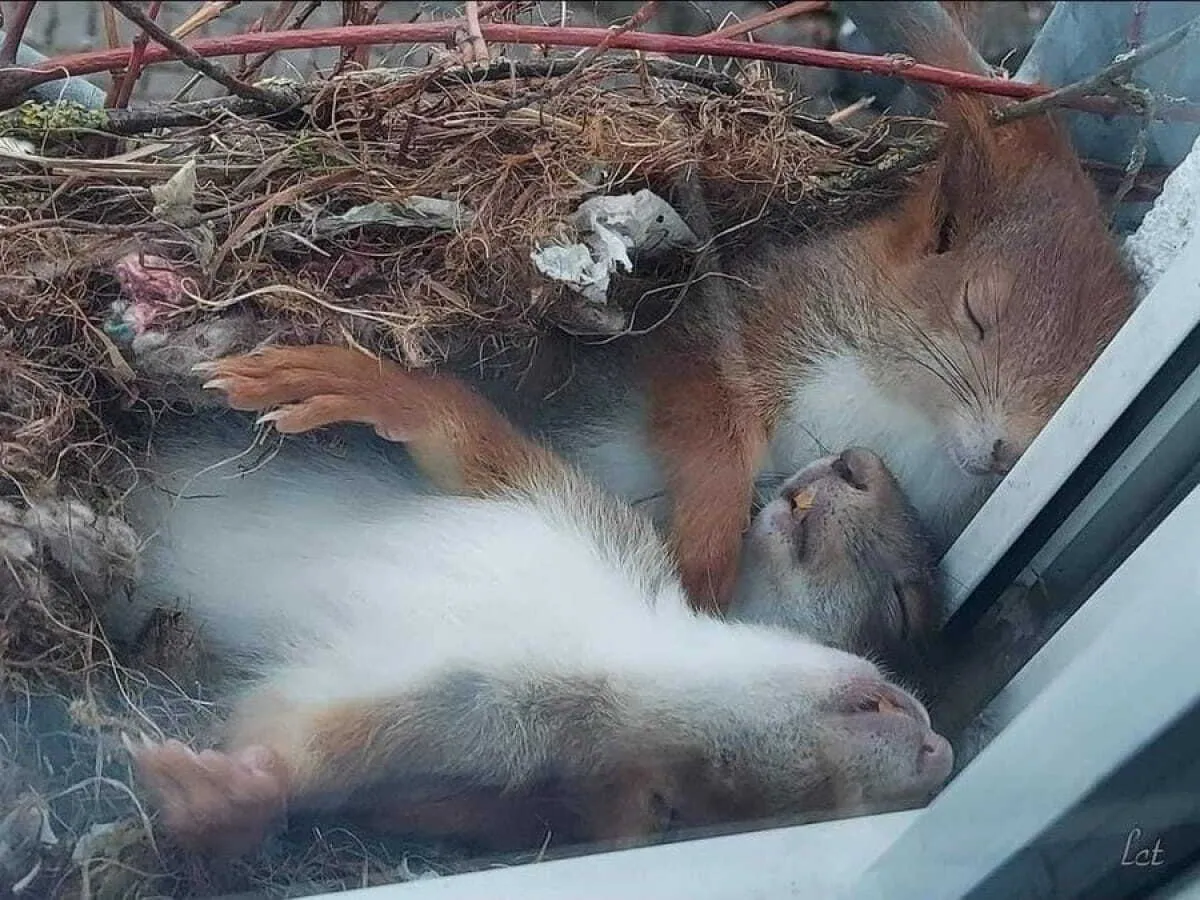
(136, 56)
(16, 31)
(442, 32)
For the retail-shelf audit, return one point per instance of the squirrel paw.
(212, 801)
(305, 387)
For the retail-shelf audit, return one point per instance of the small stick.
(129, 78)
(357, 12)
(490, 9)
(1147, 185)
(207, 13)
(841, 115)
(475, 48)
(1137, 24)
(471, 46)
(1137, 158)
(16, 31)
(644, 14)
(362, 54)
(194, 60)
(788, 11)
(112, 34)
(282, 13)
(1100, 83)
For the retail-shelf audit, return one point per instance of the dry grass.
(95, 266)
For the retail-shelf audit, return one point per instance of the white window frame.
(1090, 679)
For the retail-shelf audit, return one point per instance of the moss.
(41, 120)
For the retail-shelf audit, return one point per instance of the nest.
(395, 211)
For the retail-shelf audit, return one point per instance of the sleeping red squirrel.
(515, 659)
(942, 335)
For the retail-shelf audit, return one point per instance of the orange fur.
(709, 441)
(708, 425)
(457, 437)
(213, 801)
(224, 802)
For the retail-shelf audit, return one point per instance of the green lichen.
(312, 153)
(39, 120)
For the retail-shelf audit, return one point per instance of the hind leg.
(212, 801)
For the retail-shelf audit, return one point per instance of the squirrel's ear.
(913, 607)
(979, 166)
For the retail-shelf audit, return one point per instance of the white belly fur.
(836, 408)
(617, 456)
(840, 407)
(338, 570)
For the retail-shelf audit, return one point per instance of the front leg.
(709, 438)
(460, 441)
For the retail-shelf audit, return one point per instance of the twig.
(841, 115)
(371, 11)
(1137, 156)
(440, 32)
(194, 60)
(16, 32)
(490, 9)
(1137, 23)
(211, 10)
(112, 35)
(129, 78)
(787, 11)
(357, 12)
(644, 14)
(150, 117)
(474, 48)
(1147, 185)
(1105, 80)
(259, 61)
(112, 31)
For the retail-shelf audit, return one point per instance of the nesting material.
(423, 215)
(611, 229)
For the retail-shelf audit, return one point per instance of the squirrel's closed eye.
(970, 314)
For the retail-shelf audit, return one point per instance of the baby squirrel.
(514, 659)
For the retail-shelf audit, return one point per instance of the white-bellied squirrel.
(942, 334)
(518, 658)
